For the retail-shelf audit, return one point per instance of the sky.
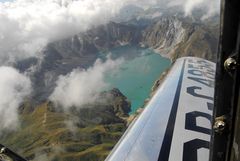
(27, 26)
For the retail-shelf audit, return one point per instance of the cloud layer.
(212, 7)
(82, 86)
(14, 86)
(28, 25)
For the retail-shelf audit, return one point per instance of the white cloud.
(41, 155)
(28, 25)
(82, 86)
(211, 7)
(14, 86)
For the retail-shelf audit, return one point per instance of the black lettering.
(201, 71)
(205, 63)
(192, 91)
(190, 149)
(195, 72)
(207, 82)
(209, 75)
(191, 122)
(210, 70)
(194, 67)
(210, 106)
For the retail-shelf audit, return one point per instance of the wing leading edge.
(176, 123)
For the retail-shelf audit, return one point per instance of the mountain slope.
(170, 35)
(90, 132)
(83, 133)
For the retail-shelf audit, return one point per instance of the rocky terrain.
(84, 133)
(176, 37)
(171, 35)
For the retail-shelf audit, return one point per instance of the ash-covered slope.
(176, 37)
(166, 33)
(171, 35)
(90, 132)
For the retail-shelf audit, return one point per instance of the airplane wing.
(176, 123)
(8, 155)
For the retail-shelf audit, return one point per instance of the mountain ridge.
(94, 129)
(170, 36)
(79, 134)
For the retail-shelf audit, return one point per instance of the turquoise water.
(137, 74)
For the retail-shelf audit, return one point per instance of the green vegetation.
(86, 134)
